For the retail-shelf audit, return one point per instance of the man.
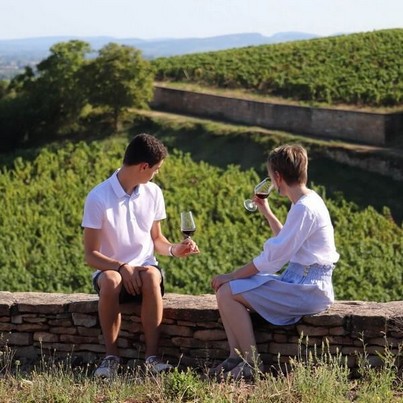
(122, 232)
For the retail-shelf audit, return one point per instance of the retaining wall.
(356, 126)
(64, 325)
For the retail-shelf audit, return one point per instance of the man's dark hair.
(144, 148)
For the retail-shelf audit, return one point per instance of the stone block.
(33, 319)
(63, 330)
(17, 319)
(211, 334)
(6, 327)
(174, 330)
(284, 349)
(7, 300)
(85, 320)
(280, 338)
(337, 331)
(31, 327)
(46, 337)
(305, 330)
(182, 341)
(84, 331)
(262, 337)
(26, 353)
(60, 322)
(74, 339)
(19, 339)
(324, 320)
(368, 326)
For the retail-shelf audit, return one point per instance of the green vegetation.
(364, 68)
(211, 168)
(67, 90)
(315, 379)
(42, 201)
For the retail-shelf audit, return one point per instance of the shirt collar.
(118, 189)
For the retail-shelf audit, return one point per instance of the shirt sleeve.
(160, 212)
(278, 250)
(93, 212)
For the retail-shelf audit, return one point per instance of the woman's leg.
(237, 323)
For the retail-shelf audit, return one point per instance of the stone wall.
(66, 325)
(356, 126)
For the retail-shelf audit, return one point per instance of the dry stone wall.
(67, 326)
(355, 126)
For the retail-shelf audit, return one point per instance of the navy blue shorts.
(124, 296)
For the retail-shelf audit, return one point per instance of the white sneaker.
(156, 366)
(108, 368)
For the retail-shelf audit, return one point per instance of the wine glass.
(188, 226)
(262, 191)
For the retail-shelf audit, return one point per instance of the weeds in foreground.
(315, 376)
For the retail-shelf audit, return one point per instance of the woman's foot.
(225, 366)
(245, 370)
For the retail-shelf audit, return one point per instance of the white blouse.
(307, 237)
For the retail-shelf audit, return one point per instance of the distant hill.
(38, 47)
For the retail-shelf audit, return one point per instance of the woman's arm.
(264, 208)
(248, 270)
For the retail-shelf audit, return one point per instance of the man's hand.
(132, 278)
(187, 247)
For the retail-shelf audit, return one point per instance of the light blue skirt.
(282, 299)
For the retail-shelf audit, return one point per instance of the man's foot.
(108, 368)
(156, 366)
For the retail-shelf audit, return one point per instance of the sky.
(155, 19)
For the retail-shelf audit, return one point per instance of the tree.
(53, 90)
(3, 88)
(119, 78)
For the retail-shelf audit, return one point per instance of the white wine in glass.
(188, 226)
(262, 191)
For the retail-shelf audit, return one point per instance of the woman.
(305, 242)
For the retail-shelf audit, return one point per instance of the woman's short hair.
(144, 148)
(291, 161)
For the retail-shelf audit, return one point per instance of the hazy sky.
(149, 19)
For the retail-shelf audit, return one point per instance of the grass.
(307, 378)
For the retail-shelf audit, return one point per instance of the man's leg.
(110, 283)
(151, 309)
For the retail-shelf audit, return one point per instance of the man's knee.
(151, 278)
(110, 281)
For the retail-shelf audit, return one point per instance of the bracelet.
(120, 267)
(170, 251)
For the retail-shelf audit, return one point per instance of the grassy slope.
(357, 69)
(223, 144)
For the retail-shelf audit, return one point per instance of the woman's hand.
(262, 205)
(221, 279)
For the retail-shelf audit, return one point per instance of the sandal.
(245, 371)
(227, 365)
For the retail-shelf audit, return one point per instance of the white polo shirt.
(125, 220)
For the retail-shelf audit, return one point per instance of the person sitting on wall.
(122, 232)
(305, 242)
